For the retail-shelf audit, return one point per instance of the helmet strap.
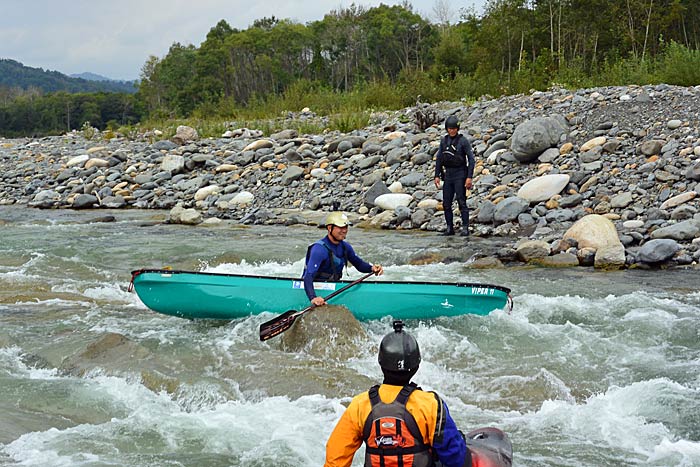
(330, 234)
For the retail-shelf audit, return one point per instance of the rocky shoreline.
(604, 177)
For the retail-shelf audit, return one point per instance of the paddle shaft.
(285, 321)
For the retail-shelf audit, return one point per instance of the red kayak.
(489, 447)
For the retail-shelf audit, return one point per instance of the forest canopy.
(390, 56)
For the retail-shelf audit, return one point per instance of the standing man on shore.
(455, 165)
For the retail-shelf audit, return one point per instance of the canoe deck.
(197, 295)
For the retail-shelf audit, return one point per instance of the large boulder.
(593, 231)
(391, 201)
(329, 332)
(544, 187)
(534, 136)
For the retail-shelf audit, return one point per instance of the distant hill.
(90, 76)
(15, 75)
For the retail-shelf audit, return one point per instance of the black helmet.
(399, 351)
(451, 122)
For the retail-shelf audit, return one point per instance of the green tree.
(451, 56)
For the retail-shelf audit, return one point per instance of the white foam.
(111, 293)
(273, 430)
(453, 272)
(264, 268)
(631, 417)
(689, 452)
(54, 303)
(12, 363)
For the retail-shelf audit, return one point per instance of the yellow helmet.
(338, 219)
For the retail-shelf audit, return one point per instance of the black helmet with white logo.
(451, 122)
(399, 351)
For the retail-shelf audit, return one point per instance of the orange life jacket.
(391, 434)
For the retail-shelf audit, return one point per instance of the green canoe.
(197, 295)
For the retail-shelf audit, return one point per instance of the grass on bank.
(352, 110)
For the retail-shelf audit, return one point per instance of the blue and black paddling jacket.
(330, 266)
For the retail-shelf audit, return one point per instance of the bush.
(382, 95)
(345, 123)
(679, 65)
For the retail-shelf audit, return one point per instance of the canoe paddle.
(284, 321)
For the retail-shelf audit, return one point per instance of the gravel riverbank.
(605, 177)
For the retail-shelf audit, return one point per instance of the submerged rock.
(109, 352)
(329, 331)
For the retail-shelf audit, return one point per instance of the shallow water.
(590, 368)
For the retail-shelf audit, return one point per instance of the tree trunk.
(595, 49)
(559, 35)
(646, 33)
(630, 24)
(551, 31)
(522, 46)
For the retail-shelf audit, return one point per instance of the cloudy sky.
(114, 38)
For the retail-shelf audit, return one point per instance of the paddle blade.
(278, 325)
(285, 320)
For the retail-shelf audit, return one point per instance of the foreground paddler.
(402, 425)
(326, 259)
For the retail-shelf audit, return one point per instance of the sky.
(114, 38)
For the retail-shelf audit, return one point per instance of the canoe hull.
(198, 295)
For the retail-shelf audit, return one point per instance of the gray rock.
(532, 137)
(549, 155)
(84, 201)
(509, 209)
(292, 173)
(402, 213)
(164, 145)
(693, 172)
(113, 202)
(621, 201)
(657, 251)
(412, 179)
(570, 201)
(650, 148)
(686, 230)
(420, 217)
(486, 212)
(532, 249)
(368, 162)
(292, 156)
(377, 189)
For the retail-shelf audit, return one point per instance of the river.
(590, 368)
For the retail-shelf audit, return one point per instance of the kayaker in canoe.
(326, 258)
(400, 423)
